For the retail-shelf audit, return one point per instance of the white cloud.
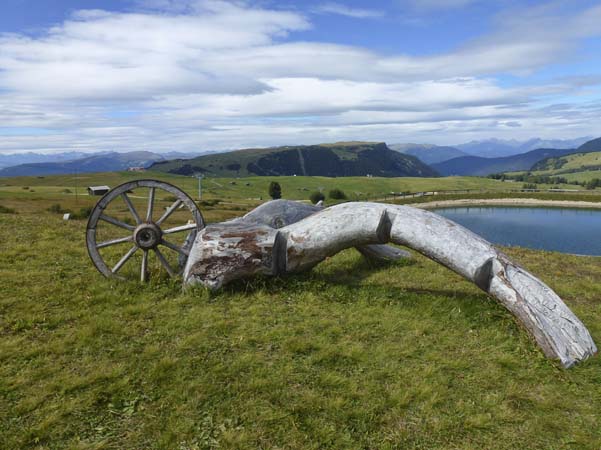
(343, 10)
(205, 74)
(101, 55)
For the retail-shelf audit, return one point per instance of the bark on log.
(241, 248)
(280, 213)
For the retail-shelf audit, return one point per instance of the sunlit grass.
(350, 355)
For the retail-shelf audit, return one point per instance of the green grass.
(579, 177)
(243, 192)
(584, 176)
(580, 167)
(5, 210)
(570, 162)
(349, 355)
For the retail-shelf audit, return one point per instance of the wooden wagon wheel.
(147, 234)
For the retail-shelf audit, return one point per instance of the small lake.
(559, 229)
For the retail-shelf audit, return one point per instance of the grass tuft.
(5, 210)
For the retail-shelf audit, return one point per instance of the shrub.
(337, 194)
(529, 186)
(170, 198)
(83, 213)
(5, 210)
(210, 202)
(25, 187)
(275, 190)
(316, 196)
(57, 209)
(66, 191)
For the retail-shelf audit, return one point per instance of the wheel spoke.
(125, 258)
(175, 247)
(116, 222)
(164, 262)
(115, 241)
(144, 271)
(187, 227)
(169, 211)
(150, 204)
(140, 216)
(131, 208)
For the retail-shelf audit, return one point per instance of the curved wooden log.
(280, 213)
(233, 250)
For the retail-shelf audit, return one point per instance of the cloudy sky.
(195, 75)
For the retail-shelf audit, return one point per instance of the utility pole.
(199, 187)
(76, 196)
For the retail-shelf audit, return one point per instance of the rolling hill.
(593, 145)
(574, 168)
(478, 166)
(341, 159)
(575, 162)
(428, 153)
(105, 162)
(580, 166)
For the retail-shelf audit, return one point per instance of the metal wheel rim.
(121, 191)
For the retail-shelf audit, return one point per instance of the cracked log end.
(224, 253)
(556, 329)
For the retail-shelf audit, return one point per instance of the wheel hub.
(148, 235)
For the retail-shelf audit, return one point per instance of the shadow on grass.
(347, 278)
(349, 274)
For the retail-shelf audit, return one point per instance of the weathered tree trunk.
(280, 213)
(251, 245)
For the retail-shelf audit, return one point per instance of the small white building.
(98, 190)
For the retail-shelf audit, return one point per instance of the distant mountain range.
(498, 148)
(339, 159)
(29, 157)
(490, 148)
(84, 163)
(329, 160)
(107, 162)
(428, 153)
(478, 166)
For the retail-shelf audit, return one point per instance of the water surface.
(558, 229)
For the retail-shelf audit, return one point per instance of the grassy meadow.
(578, 167)
(349, 355)
(31, 194)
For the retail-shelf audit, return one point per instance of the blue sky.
(193, 75)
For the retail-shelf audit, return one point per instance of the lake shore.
(509, 202)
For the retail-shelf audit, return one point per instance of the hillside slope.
(330, 160)
(427, 153)
(478, 166)
(591, 146)
(107, 162)
(575, 162)
(581, 166)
